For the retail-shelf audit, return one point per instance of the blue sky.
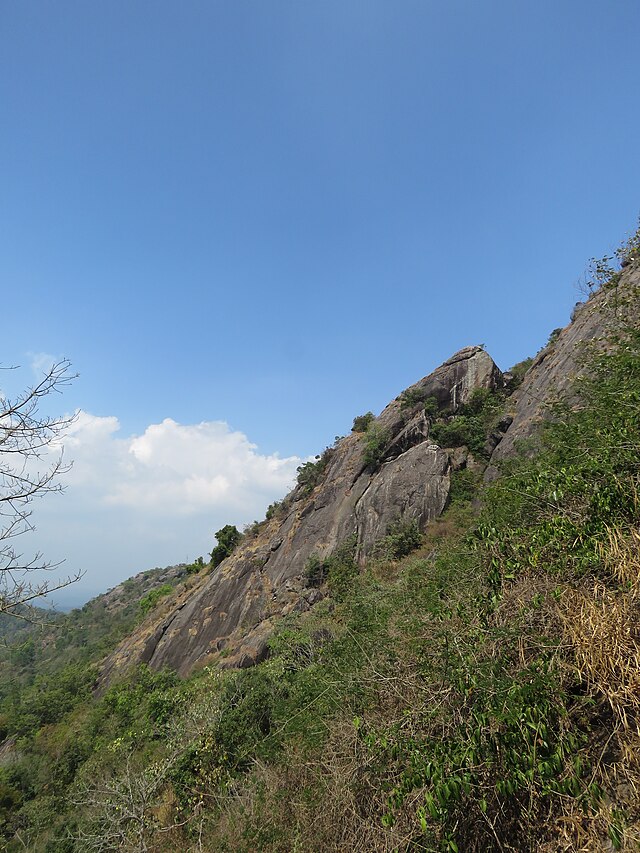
(276, 215)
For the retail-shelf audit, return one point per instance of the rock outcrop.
(555, 368)
(230, 615)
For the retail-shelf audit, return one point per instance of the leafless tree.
(31, 464)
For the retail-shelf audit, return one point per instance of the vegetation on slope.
(477, 694)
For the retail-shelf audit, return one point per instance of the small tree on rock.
(228, 538)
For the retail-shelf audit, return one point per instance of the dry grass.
(316, 805)
(601, 632)
(602, 627)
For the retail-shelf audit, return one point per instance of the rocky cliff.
(230, 613)
(555, 368)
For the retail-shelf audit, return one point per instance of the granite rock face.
(228, 616)
(555, 368)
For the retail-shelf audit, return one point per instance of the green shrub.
(194, 568)
(465, 486)
(272, 509)
(361, 422)
(149, 601)
(337, 571)
(228, 538)
(431, 407)
(376, 439)
(518, 372)
(413, 397)
(341, 568)
(553, 337)
(310, 474)
(315, 571)
(471, 424)
(403, 536)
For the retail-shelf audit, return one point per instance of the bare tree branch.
(31, 464)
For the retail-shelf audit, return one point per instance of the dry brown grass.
(601, 625)
(601, 634)
(325, 804)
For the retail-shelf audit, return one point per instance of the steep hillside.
(394, 471)
(554, 370)
(48, 659)
(401, 657)
(398, 470)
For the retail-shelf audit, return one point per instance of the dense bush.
(472, 423)
(361, 422)
(337, 570)
(228, 538)
(518, 372)
(376, 439)
(273, 509)
(402, 538)
(413, 397)
(310, 474)
(149, 601)
(465, 486)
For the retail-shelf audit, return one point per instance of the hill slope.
(472, 686)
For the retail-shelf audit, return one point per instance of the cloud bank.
(152, 499)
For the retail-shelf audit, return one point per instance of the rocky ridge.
(229, 615)
(555, 367)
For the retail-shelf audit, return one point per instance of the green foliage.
(149, 601)
(196, 566)
(518, 372)
(376, 439)
(341, 569)
(605, 272)
(315, 571)
(413, 397)
(48, 698)
(361, 422)
(273, 509)
(402, 538)
(143, 696)
(228, 538)
(471, 424)
(561, 503)
(431, 407)
(310, 474)
(629, 251)
(553, 337)
(465, 486)
(338, 570)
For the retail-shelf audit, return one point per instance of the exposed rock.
(233, 610)
(413, 486)
(553, 371)
(458, 457)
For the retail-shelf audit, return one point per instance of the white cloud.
(135, 502)
(174, 468)
(41, 362)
